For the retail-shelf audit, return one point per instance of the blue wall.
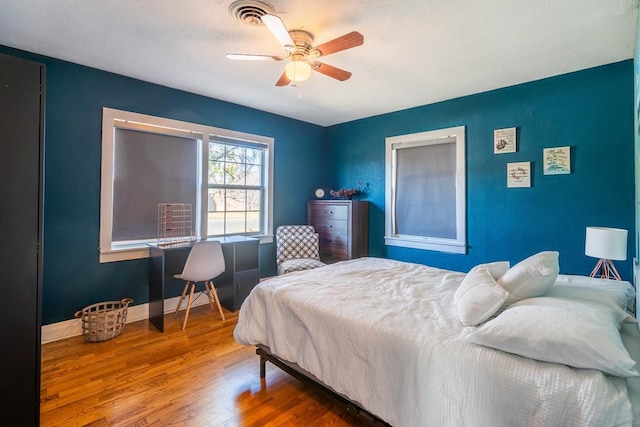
(590, 110)
(75, 95)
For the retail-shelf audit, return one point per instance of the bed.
(387, 337)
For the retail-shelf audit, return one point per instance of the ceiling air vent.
(249, 12)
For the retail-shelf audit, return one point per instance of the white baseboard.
(73, 327)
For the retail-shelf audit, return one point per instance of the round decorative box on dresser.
(343, 226)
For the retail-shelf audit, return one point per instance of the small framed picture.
(504, 140)
(518, 174)
(556, 160)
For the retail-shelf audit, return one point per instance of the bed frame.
(354, 408)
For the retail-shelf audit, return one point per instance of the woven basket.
(104, 320)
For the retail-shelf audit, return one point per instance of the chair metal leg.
(215, 294)
(184, 292)
(186, 315)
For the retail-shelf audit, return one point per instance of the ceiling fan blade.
(284, 80)
(347, 41)
(331, 71)
(247, 57)
(277, 27)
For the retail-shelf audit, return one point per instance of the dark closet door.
(21, 137)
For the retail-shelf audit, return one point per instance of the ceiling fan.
(299, 49)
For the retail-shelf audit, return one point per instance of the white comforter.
(386, 334)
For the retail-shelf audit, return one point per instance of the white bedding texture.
(387, 334)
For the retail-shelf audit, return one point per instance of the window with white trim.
(235, 187)
(225, 175)
(425, 190)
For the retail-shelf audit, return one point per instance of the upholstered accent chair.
(297, 248)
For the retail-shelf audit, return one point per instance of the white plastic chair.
(204, 263)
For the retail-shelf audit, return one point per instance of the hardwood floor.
(194, 377)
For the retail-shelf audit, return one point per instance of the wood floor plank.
(194, 377)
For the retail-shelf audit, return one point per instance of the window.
(425, 190)
(225, 175)
(236, 188)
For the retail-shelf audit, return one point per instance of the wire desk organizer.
(175, 224)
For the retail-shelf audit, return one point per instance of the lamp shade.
(606, 243)
(297, 71)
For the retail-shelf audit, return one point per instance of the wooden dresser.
(343, 226)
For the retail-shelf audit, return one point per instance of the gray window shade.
(150, 169)
(426, 191)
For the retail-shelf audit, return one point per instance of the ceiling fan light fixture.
(298, 71)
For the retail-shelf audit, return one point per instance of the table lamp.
(607, 244)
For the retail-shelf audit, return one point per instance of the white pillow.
(498, 268)
(479, 296)
(531, 277)
(495, 269)
(575, 333)
(611, 291)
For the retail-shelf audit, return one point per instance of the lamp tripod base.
(605, 269)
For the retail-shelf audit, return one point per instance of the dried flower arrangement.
(348, 193)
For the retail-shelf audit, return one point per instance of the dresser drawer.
(334, 239)
(332, 226)
(322, 213)
(334, 252)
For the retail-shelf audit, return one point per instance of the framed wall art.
(518, 174)
(504, 140)
(556, 160)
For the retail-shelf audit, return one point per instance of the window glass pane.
(253, 222)
(234, 174)
(215, 201)
(230, 153)
(254, 175)
(215, 223)
(236, 200)
(216, 164)
(254, 156)
(235, 222)
(254, 200)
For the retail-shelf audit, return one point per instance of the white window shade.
(426, 203)
(425, 190)
(150, 169)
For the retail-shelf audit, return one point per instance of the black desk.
(242, 273)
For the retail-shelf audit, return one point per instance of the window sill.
(431, 244)
(140, 252)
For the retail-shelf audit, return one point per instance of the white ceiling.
(415, 52)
